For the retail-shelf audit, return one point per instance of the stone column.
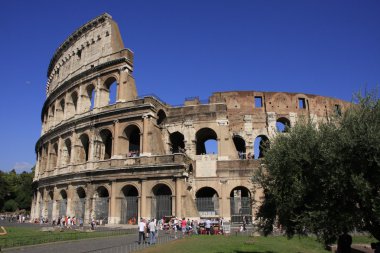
(37, 207)
(116, 143)
(59, 155)
(143, 211)
(225, 210)
(70, 201)
(114, 218)
(145, 133)
(178, 197)
(55, 211)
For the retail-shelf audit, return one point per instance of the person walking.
(152, 229)
(142, 227)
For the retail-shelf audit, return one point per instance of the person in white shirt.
(142, 227)
(152, 231)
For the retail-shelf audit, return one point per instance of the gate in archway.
(50, 210)
(161, 206)
(79, 208)
(62, 205)
(101, 209)
(241, 208)
(129, 210)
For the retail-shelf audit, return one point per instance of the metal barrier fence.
(163, 237)
(58, 236)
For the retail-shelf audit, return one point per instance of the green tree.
(326, 178)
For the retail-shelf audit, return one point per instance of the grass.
(242, 244)
(21, 236)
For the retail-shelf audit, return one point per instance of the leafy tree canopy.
(15, 190)
(325, 178)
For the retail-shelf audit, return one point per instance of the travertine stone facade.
(115, 156)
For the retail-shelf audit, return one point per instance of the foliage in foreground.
(16, 190)
(325, 179)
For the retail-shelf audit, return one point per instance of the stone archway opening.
(84, 148)
(66, 152)
(261, 145)
(161, 117)
(90, 97)
(80, 203)
(207, 141)
(111, 87)
(50, 206)
(101, 205)
(177, 141)
(282, 125)
(129, 205)
(161, 201)
(132, 133)
(241, 205)
(106, 146)
(62, 203)
(240, 146)
(207, 200)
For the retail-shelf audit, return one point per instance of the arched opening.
(80, 203)
(66, 152)
(52, 114)
(50, 206)
(240, 204)
(207, 200)
(129, 205)
(111, 85)
(240, 146)
(132, 133)
(74, 102)
(261, 145)
(62, 203)
(161, 117)
(106, 147)
(161, 201)
(177, 142)
(84, 148)
(206, 141)
(282, 125)
(61, 110)
(91, 96)
(101, 202)
(54, 156)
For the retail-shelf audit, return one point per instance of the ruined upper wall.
(96, 42)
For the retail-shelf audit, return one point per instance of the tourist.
(152, 232)
(208, 226)
(183, 226)
(142, 227)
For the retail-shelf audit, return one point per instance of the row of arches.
(206, 198)
(207, 143)
(83, 148)
(81, 100)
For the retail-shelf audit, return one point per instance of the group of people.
(67, 222)
(134, 153)
(243, 155)
(148, 228)
(20, 218)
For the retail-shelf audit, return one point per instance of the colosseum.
(109, 154)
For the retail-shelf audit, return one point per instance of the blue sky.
(190, 48)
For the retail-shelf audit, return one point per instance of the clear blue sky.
(190, 48)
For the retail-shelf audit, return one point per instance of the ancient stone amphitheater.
(107, 153)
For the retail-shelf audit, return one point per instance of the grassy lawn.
(20, 236)
(241, 244)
